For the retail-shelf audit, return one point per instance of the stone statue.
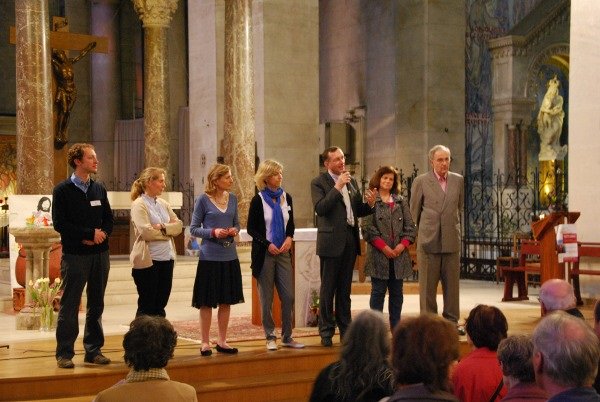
(550, 121)
(66, 95)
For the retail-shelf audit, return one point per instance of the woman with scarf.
(271, 225)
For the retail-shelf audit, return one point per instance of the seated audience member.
(558, 294)
(514, 355)
(149, 344)
(565, 358)
(423, 350)
(478, 377)
(597, 331)
(363, 372)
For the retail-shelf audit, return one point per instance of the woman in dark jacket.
(388, 233)
(271, 225)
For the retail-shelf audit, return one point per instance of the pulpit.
(543, 231)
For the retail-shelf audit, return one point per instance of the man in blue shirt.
(82, 215)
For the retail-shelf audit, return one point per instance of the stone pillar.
(106, 82)
(35, 133)
(239, 136)
(156, 16)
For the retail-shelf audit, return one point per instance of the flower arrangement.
(43, 295)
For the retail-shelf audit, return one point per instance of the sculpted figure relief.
(550, 121)
(66, 95)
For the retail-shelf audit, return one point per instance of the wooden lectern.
(543, 231)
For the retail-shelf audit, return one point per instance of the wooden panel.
(70, 41)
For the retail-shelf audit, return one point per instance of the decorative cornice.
(532, 83)
(155, 13)
(513, 101)
(515, 45)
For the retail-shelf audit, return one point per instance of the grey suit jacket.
(437, 213)
(331, 214)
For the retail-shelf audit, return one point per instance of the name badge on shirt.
(95, 203)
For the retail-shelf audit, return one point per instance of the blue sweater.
(205, 218)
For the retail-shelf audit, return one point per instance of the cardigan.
(144, 232)
(257, 229)
(392, 225)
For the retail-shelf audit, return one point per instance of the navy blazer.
(258, 230)
(331, 214)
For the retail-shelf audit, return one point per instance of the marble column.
(35, 133)
(156, 16)
(239, 135)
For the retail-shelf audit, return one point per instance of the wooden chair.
(585, 249)
(512, 259)
(528, 262)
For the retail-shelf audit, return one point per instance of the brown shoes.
(98, 359)
(63, 362)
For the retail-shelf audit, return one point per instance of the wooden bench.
(585, 249)
(529, 250)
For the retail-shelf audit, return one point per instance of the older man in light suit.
(338, 204)
(435, 205)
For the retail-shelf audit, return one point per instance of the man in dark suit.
(435, 205)
(338, 204)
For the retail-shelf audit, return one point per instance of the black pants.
(76, 272)
(153, 287)
(336, 281)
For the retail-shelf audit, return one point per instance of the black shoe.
(63, 362)
(98, 359)
(229, 351)
(206, 352)
(326, 342)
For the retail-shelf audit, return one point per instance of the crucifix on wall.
(63, 80)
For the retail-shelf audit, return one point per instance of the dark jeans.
(336, 281)
(153, 287)
(396, 297)
(76, 271)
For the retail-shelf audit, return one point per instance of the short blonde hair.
(265, 170)
(139, 185)
(217, 171)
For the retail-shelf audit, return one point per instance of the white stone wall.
(584, 127)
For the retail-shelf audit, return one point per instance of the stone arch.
(531, 84)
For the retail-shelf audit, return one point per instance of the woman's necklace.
(385, 198)
(224, 200)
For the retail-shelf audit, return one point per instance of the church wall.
(381, 82)
(7, 61)
(431, 87)
(80, 129)
(287, 110)
(205, 58)
(584, 109)
(178, 84)
(342, 57)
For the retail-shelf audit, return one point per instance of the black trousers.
(153, 287)
(76, 272)
(336, 282)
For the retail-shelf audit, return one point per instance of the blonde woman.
(218, 276)
(271, 225)
(153, 253)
